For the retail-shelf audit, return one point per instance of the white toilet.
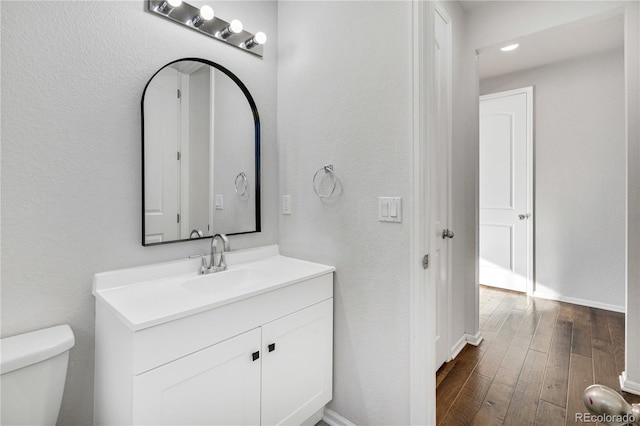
(33, 369)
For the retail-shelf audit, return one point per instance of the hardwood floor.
(535, 361)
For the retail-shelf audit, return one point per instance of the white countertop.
(150, 295)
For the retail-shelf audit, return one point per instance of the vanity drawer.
(164, 343)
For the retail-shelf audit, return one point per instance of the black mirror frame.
(256, 120)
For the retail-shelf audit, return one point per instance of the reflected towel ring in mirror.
(241, 182)
(327, 169)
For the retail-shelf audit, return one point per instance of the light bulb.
(510, 47)
(168, 5)
(258, 39)
(234, 27)
(205, 14)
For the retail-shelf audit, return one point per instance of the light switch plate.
(286, 204)
(219, 202)
(390, 209)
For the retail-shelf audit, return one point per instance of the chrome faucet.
(221, 265)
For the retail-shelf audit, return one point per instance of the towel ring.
(242, 176)
(334, 181)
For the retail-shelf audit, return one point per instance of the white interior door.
(161, 165)
(441, 252)
(506, 190)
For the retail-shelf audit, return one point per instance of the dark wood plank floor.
(535, 361)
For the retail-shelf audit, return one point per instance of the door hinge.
(179, 94)
(425, 261)
(179, 156)
(178, 217)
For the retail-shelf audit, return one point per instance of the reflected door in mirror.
(161, 145)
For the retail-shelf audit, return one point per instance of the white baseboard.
(314, 419)
(576, 301)
(474, 340)
(460, 344)
(629, 386)
(332, 418)
(505, 287)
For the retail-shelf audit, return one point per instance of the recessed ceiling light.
(510, 47)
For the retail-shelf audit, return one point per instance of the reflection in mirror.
(201, 144)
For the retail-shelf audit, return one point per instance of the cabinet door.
(219, 385)
(297, 371)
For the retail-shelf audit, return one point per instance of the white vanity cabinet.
(263, 357)
(283, 367)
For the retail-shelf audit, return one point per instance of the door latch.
(446, 233)
(425, 261)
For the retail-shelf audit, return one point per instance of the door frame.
(440, 10)
(530, 172)
(422, 354)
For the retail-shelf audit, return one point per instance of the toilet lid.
(29, 348)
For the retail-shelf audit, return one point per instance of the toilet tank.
(33, 369)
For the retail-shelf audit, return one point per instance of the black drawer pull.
(272, 347)
(255, 355)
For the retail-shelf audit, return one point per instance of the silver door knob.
(447, 234)
(524, 216)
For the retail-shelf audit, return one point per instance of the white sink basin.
(226, 281)
(154, 294)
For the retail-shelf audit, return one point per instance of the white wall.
(72, 79)
(345, 97)
(579, 184)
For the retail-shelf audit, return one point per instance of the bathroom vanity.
(249, 345)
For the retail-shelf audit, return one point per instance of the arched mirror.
(200, 154)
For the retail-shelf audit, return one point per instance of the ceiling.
(585, 37)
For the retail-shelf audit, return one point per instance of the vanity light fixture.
(206, 22)
(510, 47)
(234, 27)
(168, 5)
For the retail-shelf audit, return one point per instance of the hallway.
(536, 359)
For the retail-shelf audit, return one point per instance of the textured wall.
(344, 97)
(579, 175)
(72, 77)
